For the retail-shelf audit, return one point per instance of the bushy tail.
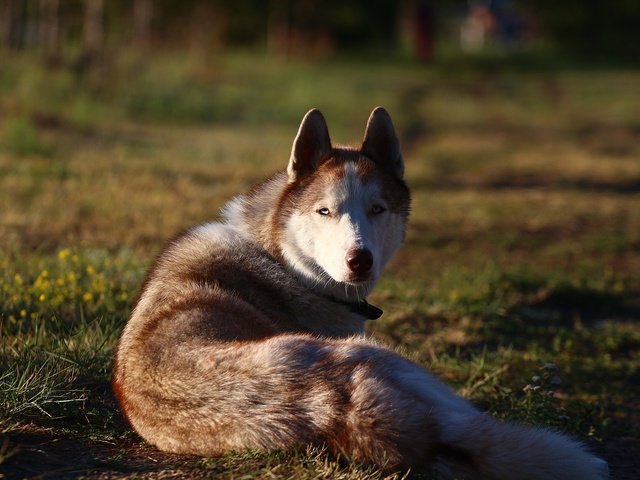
(500, 451)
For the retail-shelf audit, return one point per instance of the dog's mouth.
(357, 280)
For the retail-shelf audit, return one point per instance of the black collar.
(363, 308)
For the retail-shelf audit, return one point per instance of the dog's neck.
(363, 308)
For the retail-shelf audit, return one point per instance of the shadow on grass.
(566, 303)
(538, 60)
(96, 442)
(48, 454)
(568, 320)
(527, 181)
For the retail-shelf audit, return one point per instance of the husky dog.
(249, 332)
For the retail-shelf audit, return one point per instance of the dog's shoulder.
(251, 213)
(211, 252)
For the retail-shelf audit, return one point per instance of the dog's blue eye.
(324, 211)
(376, 209)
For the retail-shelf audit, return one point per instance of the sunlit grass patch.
(63, 287)
(61, 317)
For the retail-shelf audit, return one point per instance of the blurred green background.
(122, 123)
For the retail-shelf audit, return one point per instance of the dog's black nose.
(360, 261)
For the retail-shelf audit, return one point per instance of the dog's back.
(247, 333)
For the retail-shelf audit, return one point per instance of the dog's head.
(344, 210)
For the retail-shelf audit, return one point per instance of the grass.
(21, 139)
(518, 282)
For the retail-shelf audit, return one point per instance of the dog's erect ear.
(311, 144)
(381, 143)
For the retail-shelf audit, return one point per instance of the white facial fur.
(316, 245)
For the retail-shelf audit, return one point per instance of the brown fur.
(232, 345)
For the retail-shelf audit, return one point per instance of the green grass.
(21, 139)
(522, 250)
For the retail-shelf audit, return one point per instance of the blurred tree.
(279, 28)
(10, 23)
(423, 28)
(600, 27)
(142, 16)
(305, 28)
(93, 31)
(302, 27)
(312, 27)
(363, 23)
(49, 27)
(208, 29)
